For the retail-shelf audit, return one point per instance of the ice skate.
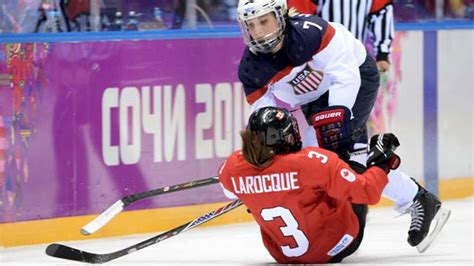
(426, 213)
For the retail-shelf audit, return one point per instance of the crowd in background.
(412, 10)
(28, 16)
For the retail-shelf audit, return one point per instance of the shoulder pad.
(305, 35)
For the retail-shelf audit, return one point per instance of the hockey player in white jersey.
(323, 69)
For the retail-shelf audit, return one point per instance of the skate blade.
(437, 224)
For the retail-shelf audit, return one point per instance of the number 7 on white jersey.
(306, 25)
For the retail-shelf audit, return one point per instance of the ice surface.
(240, 244)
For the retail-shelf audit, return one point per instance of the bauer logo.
(327, 115)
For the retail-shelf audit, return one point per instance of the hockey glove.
(333, 130)
(382, 152)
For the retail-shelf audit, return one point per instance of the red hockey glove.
(333, 129)
(382, 152)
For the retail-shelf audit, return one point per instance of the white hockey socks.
(400, 189)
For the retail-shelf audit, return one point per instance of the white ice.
(240, 244)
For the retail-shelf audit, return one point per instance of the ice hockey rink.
(240, 244)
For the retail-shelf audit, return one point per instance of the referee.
(364, 18)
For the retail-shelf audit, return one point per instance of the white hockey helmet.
(249, 9)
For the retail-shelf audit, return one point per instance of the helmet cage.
(281, 134)
(270, 41)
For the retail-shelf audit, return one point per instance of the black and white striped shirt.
(361, 17)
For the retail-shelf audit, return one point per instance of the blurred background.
(30, 16)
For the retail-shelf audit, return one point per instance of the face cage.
(297, 144)
(268, 42)
(284, 145)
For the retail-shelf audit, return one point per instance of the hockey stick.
(122, 203)
(70, 253)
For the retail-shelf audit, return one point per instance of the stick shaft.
(106, 216)
(70, 253)
(127, 200)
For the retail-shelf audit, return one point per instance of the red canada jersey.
(302, 201)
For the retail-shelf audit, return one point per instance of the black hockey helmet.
(277, 129)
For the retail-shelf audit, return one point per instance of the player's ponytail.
(254, 151)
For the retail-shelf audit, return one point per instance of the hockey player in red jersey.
(320, 67)
(310, 205)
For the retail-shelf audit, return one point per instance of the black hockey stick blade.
(65, 252)
(70, 253)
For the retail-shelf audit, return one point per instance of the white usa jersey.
(316, 57)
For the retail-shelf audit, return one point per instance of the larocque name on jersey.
(265, 183)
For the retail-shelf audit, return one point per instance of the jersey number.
(291, 229)
(306, 25)
(317, 155)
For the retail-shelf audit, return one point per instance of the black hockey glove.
(333, 130)
(382, 152)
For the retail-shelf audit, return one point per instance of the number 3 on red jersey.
(317, 155)
(291, 229)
